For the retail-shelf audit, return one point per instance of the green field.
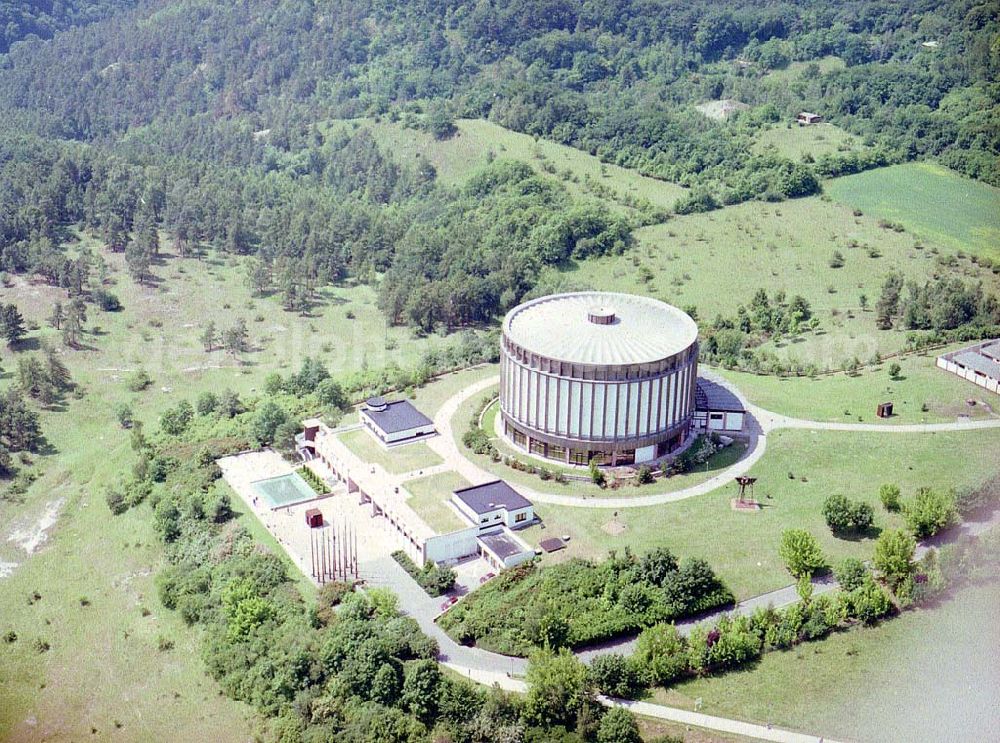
(923, 676)
(743, 546)
(108, 645)
(932, 202)
(716, 261)
(112, 561)
(793, 141)
(430, 497)
(396, 460)
(796, 70)
(476, 141)
(842, 398)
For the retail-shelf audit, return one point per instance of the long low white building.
(979, 364)
(491, 511)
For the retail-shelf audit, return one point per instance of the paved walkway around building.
(760, 423)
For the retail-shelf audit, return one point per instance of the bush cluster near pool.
(580, 602)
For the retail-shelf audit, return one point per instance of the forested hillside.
(206, 120)
(42, 19)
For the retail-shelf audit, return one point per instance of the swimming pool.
(286, 490)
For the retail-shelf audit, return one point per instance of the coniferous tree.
(11, 324)
(209, 337)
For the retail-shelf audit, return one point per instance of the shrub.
(894, 370)
(837, 259)
(138, 381)
(837, 512)
(645, 475)
(734, 644)
(894, 556)
(800, 552)
(597, 475)
(661, 654)
(116, 501)
(850, 573)
(869, 602)
(174, 421)
(207, 402)
(889, 495)
(616, 675)
(929, 512)
(843, 514)
(123, 414)
(106, 300)
(435, 580)
(618, 726)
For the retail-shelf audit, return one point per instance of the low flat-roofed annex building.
(716, 408)
(395, 422)
(979, 364)
(493, 511)
(494, 503)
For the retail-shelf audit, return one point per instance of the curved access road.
(761, 422)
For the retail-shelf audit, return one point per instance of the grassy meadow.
(950, 691)
(798, 471)
(476, 142)
(793, 141)
(843, 398)
(932, 202)
(797, 71)
(104, 664)
(716, 261)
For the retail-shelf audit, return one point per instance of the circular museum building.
(595, 375)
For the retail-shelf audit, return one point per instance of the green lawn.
(931, 201)
(743, 546)
(396, 460)
(430, 496)
(717, 261)
(831, 398)
(793, 141)
(456, 158)
(923, 675)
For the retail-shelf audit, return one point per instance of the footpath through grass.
(932, 201)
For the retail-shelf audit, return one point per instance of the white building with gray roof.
(395, 422)
(979, 364)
